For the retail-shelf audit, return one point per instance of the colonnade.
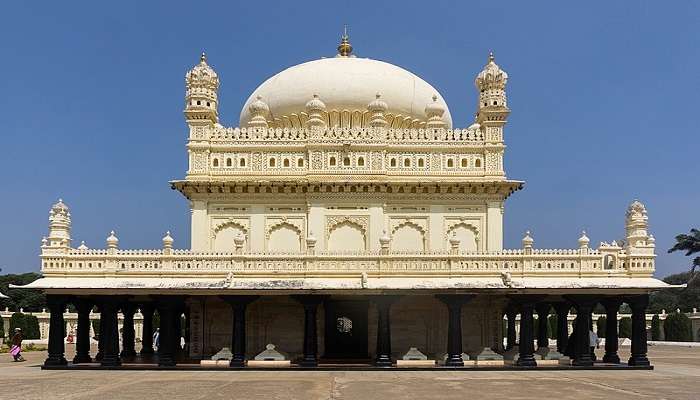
(170, 308)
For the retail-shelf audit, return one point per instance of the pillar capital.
(452, 300)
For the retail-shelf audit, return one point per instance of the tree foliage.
(625, 327)
(29, 300)
(655, 328)
(672, 299)
(690, 244)
(29, 325)
(677, 328)
(600, 326)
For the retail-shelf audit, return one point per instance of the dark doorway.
(346, 329)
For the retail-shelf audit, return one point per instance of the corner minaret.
(201, 98)
(492, 113)
(59, 227)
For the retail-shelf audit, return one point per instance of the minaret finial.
(344, 48)
(203, 57)
(491, 57)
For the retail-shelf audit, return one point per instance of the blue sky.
(604, 99)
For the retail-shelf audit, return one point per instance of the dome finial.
(203, 57)
(491, 57)
(344, 48)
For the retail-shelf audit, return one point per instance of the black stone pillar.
(82, 340)
(454, 328)
(511, 314)
(128, 331)
(639, 304)
(147, 310)
(562, 310)
(109, 328)
(56, 305)
(310, 303)
(167, 310)
(526, 345)
(383, 356)
(542, 324)
(238, 307)
(100, 335)
(582, 347)
(612, 305)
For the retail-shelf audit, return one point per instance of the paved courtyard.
(677, 376)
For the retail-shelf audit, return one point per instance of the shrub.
(28, 323)
(601, 325)
(677, 328)
(625, 327)
(655, 328)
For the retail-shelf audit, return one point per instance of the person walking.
(594, 343)
(16, 348)
(156, 338)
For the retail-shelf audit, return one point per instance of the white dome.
(346, 84)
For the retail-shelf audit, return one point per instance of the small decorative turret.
(238, 242)
(316, 110)
(345, 48)
(454, 243)
(168, 241)
(491, 83)
(583, 243)
(434, 112)
(201, 98)
(59, 225)
(82, 246)
(377, 108)
(258, 111)
(112, 241)
(637, 224)
(528, 241)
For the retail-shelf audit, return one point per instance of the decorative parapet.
(571, 263)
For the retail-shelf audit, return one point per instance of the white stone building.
(346, 218)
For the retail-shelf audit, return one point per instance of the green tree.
(655, 328)
(677, 328)
(671, 299)
(29, 325)
(29, 300)
(600, 326)
(625, 327)
(691, 245)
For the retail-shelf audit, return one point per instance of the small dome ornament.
(384, 240)
(82, 246)
(316, 109)
(112, 240)
(377, 108)
(259, 111)
(434, 111)
(583, 241)
(168, 240)
(528, 240)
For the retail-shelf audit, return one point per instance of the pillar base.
(454, 360)
(82, 359)
(237, 364)
(526, 361)
(147, 352)
(583, 362)
(111, 361)
(309, 363)
(383, 361)
(166, 361)
(638, 362)
(127, 353)
(611, 359)
(54, 361)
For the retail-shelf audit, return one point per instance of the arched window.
(215, 162)
(300, 162)
(331, 162)
(465, 163)
(406, 162)
(285, 162)
(346, 161)
(477, 163)
(361, 162)
(228, 162)
(421, 162)
(392, 162)
(272, 162)
(242, 162)
(450, 163)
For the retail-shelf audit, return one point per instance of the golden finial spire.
(491, 57)
(203, 57)
(344, 48)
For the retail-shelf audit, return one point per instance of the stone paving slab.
(676, 376)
